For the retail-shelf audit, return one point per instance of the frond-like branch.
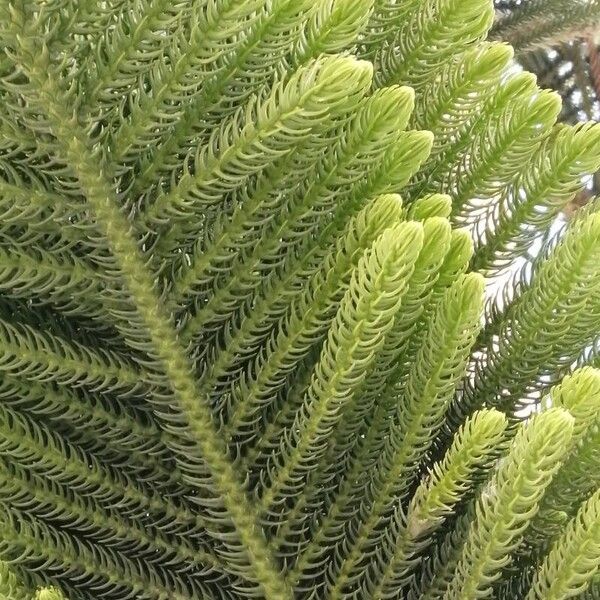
(508, 501)
(241, 352)
(472, 451)
(543, 23)
(574, 558)
(365, 314)
(199, 429)
(517, 348)
(427, 35)
(251, 140)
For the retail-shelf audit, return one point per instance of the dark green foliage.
(249, 340)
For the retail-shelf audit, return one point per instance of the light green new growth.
(436, 496)
(508, 501)
(253, 342)
(574, 558)
(580, 472)
(11, 589)
(48, 594)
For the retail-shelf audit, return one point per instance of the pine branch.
(127, 52)
(10, 587)
(245, 70)
(430, 387)
(116, 431)
(508, 501)
(235, 363)
(543, 23)
(243, 146)
(574, 559)
(310, 312)
(517, 348)
(447, 26)
(580, 394)
(528, 207)
(210, 31)
(339, 186)
(473, 447)
(356, 335)
(41, 357)
(122, 244)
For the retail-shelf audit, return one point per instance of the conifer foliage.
(558, 41)
(535, 24)
(245, 346)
